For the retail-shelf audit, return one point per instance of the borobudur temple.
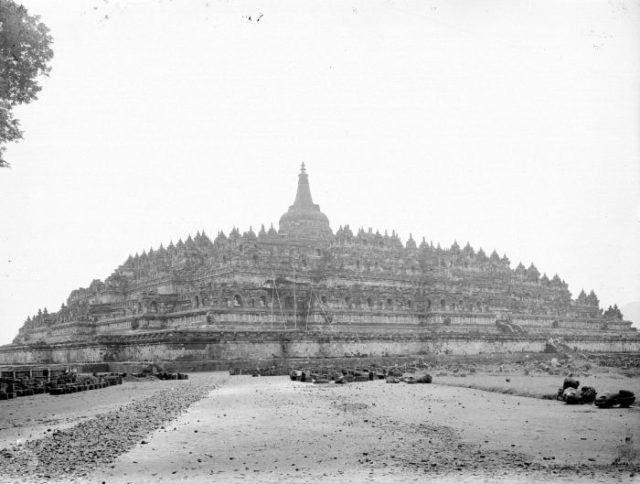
(303, 292)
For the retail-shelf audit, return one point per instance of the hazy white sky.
(512, 125)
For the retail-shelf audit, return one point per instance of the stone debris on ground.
(566, 363)
(54, 381)
(572, 394)
(77, 451)
(622, 399)
(407, 374)
(429, 430)
(160, 371)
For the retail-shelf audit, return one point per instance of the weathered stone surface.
(306, 278)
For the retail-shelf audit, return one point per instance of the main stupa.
(304, 220)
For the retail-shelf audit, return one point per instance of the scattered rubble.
(161, 372)
(623, 399)
(58, 381)
(570, 394)
(77, 451)
(561, 363)
(395, 374)
(612, 360)
(163, 375)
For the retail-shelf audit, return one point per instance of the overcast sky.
(511, 125)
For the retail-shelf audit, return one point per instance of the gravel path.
(75, 452)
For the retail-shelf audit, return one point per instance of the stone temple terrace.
(306, 292)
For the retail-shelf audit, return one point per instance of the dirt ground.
(539, 385)
(270, 429)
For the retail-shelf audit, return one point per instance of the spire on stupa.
(304, 220)
(303, 194)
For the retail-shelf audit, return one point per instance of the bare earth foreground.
(220, 428)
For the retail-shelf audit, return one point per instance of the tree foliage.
(25, 50)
